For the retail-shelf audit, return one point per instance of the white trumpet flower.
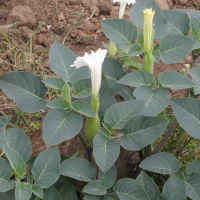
(94, 62)
(123, 6)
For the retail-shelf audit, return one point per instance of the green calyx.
(66, 93)
(112, 50)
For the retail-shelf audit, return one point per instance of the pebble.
(28, 68)
(61, 16)
(37, 48)
(183, 2)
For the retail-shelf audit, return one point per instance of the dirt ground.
(66, 21)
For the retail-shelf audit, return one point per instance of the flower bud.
(66, 93)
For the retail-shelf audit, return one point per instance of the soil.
(65, 21)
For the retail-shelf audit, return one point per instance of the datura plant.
(138, 121)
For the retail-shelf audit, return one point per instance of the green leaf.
(94, 188)
(193, 167)
(82, 88)
(156, 53)
(4, 120)
(174, 188)
(126, 94)
(192, 186)
(17, 140)
(31, 161)
(60, 60)
(9, 195)
(104, 131)
(195, 73)
(5, 174)
(91, 197)
(26, 89)
(58, 103)
(66, 188)
(54, 82)
(38, 191)
(149, 186)
(187, 112)
(23, 191)
(30, 179)
(118, 114)
(105, 152)
(52, 194)
(46, 168)
(137, 78)
(60, 125)
(130, 189)
(109, 198)
(197, 42)
(135, 50)
(120, 31)
(194, 25)
(161, 26)
(163, 163)
(108, 127)
(83, 108)
(79, 169)
(178, 21)
(175, 80)
(108, 178)
(140, 37)
(113, 71)
(16, 161)
(174, 48)
(195, 13)
(141, 131)
(155, 100)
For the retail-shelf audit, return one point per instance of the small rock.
(188, 59)
(72, 2)
(37, 48)
(104, 7)
(182, 62)
(24, 16)
(42, 39)
(61, 16)
(163, 4)
(27, 68)
(86, 3)
(43, 30)
(183, 2)
(86, 25)
(94, 9)
(3, 56)
(26, 33)
(46, 64)
(116, 8)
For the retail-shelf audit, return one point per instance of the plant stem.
(184, 146)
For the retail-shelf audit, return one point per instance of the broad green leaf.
(195, 13)
(178, 21)
(140, 38)
(105, 152)
(26, 89)
(108, 127)
(126, 94)
(16, 161)
(174, 188)
(141, 131)
(137, 78)
(53, 82)
(78, 168)
(52, 194)
(175, 80)
(108, 178)
(83, 108)
(197, 42)
(17, 140)
(46, 168)
(23, 191)
(118, 114)
(3, 122)
(161, 26)
(38, 191)
(135, 50)
(91, 197)
(163, 163)
(66, 188)
(193, 167)
(120, 31)
(132, 62)
(30, 179)
(195, 73)
(194, 25)
(174, 48)
(94, 188)
(60, 125)
(82, 88)
(104, 131)
(58, 103)
(149, 186)
(5, 174)
(130, 189)
(113, 71)
(9, 195)
(31, 161)
(156, 53)
(155, 100)
(192, 186)
(187, 112)
(109, 198)
(60, 60)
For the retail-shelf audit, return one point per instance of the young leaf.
(26, 89)
(16, 161)
(118, 114)
(120, 31)
(82, 108)
(23, 191)
(137, 78)
(31, 161)
(163, 163)
(38, 191)
(194, 25)
(78, 168)
(155, 100)
(30, 179)
(108, 178)
(140, 38)
(82, 88)
(60, 125)
(52, 193)
(195, 73)
(187, 112)
(174, 188)
(91, 197)
(135, 50)
(3, 122)
(141, 131)
(156, 53)
(47, 162)
(5, 174)
(193, 167)
(105, 152)
(94, 188)
(104, 131)
(58, 103)
(54, 82)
